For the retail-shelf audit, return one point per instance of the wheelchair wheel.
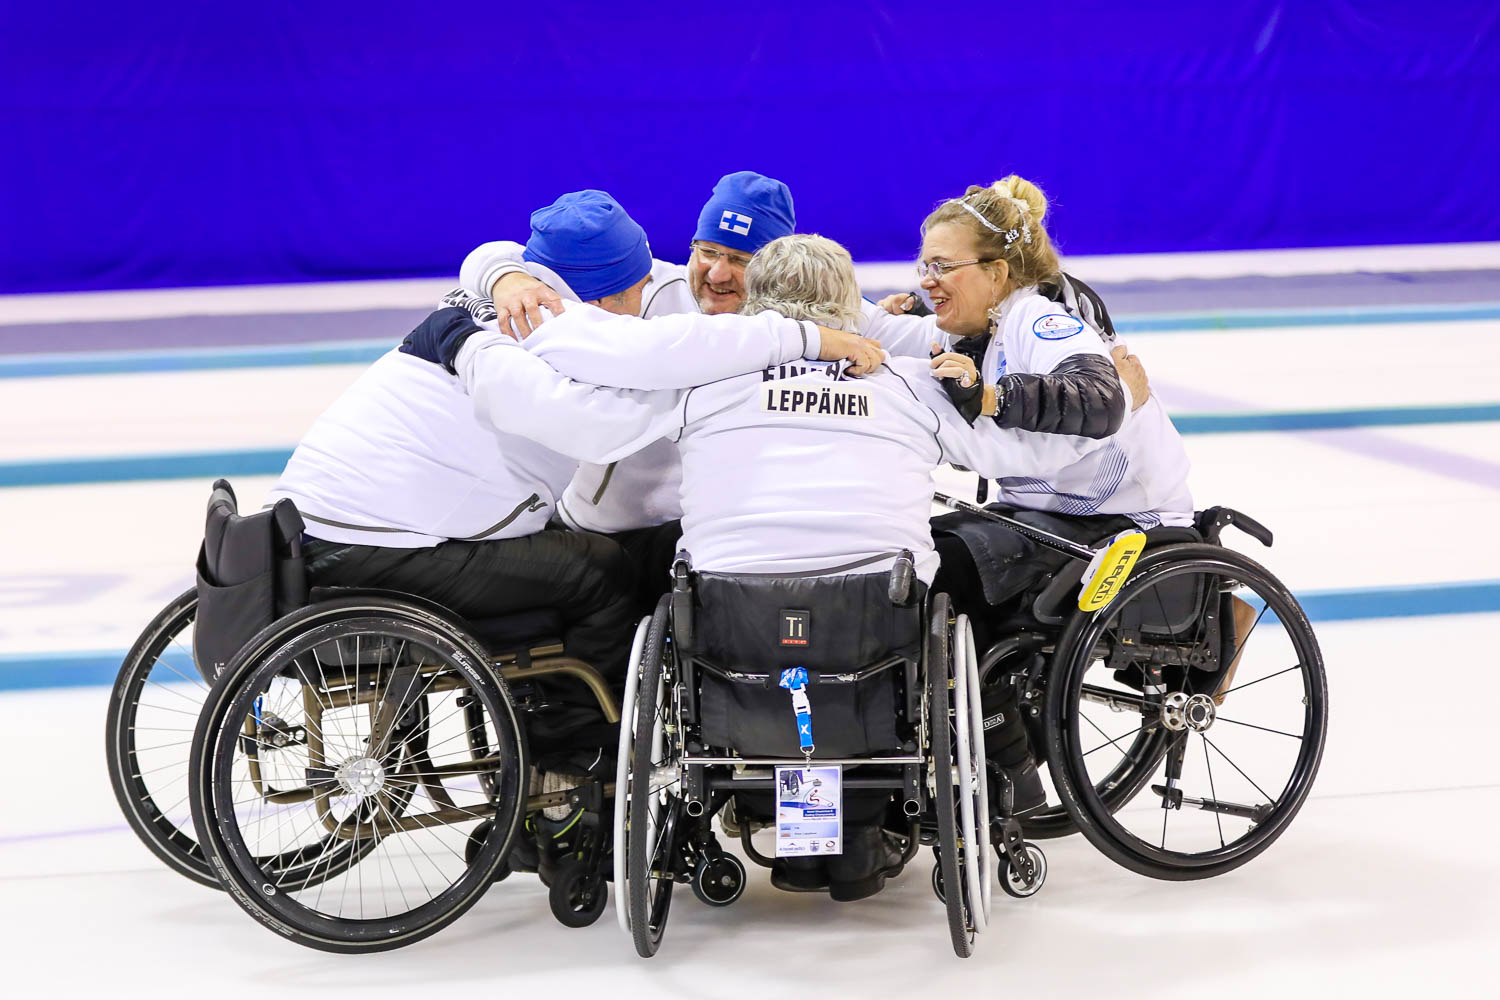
(973, 782)
(152, 711)
(1212, 657)
(719, 881)
(1014, 883)
(655, 806)
(623, 755)
(577, 895)
(946, 793)
(345, 736)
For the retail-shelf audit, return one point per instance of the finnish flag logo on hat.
(734, 222)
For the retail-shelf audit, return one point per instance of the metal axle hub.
(362, 776)
(1181, 711)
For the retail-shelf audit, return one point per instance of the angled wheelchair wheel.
(973, 782)
(652, 856)
(623, 755)
(946, 791)
(1208, 655)
(152, 711)
(345, 764)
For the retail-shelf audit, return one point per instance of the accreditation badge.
(809, 811)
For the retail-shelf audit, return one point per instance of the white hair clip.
(964, 204)
(1011, 235)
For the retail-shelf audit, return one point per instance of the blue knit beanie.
(592, 244)
(746, 211)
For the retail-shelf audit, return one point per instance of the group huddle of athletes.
(578, 412)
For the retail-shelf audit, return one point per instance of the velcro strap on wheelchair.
(794, 679)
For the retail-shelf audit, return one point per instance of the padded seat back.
(756, 626)
(250, 572)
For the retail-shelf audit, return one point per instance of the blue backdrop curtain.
(184, 144)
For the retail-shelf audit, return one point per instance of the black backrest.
(828, 623)
(250, 572)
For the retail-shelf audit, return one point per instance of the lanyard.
(794, 679)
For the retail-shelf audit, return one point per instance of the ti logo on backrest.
(796, 627)
(734, 222)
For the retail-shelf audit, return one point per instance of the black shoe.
(871, 855)
(1026, 792)
(800, 874)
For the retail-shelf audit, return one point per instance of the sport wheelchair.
(1201, 641)
(889, 683)
(362, 769)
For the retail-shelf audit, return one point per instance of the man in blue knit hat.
(587, 239)
(745, 212)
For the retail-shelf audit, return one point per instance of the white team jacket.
(815, 473)
(401, 459)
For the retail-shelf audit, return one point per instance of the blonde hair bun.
(1019, 188)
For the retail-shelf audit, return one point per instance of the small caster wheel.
(1013, 882)
(476, 841)
(937, 883)
(577, 896)
(719, 881)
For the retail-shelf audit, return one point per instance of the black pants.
(986, 566)
(586, 578)
(651, 551)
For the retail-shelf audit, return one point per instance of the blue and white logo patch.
(1057, 326)
(734, 222)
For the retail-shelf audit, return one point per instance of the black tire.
(719, 881)
(150, 779)
(475, 844)
(651, 861)
(1121, 835)
(577, 895)
(939, 671)
(297, 655)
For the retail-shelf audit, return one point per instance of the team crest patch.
(734, 222)
(1057, 326)
(839, 400)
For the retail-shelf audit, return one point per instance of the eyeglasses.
(713, 256)
(939, 269)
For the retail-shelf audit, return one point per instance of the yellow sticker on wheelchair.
(1109, 569)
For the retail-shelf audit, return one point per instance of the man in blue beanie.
(587, 239)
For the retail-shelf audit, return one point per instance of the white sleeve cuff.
(812, 340)
(498, 270)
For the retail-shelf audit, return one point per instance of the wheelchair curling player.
(818, 482)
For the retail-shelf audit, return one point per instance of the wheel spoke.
(1221, 753)
(1241, 687)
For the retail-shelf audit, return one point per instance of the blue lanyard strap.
(794, 679)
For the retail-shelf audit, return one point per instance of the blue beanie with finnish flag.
(746, 211)
(591, 242)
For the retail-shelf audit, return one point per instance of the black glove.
(914, 306)
(438, 337)
(967, 401)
